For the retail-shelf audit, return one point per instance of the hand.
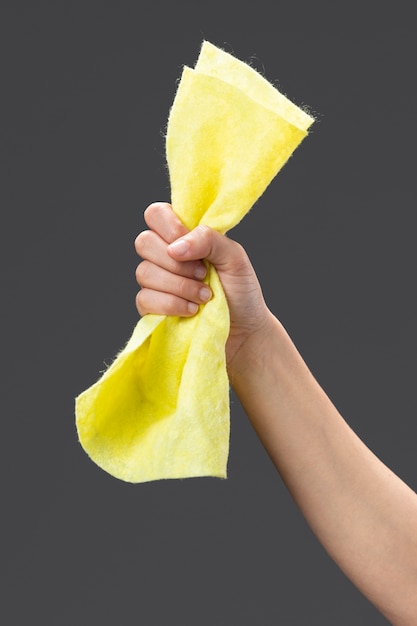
(172, 271)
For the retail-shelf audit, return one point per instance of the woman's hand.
(172, 272)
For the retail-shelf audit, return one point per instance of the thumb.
(205, 243)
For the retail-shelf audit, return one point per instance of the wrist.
(252, 352)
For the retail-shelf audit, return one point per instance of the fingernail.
(180, 246)
(205, 293)
(192, 307)
(200, 271)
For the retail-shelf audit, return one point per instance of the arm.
(362, 513)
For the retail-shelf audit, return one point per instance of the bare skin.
(363, 514)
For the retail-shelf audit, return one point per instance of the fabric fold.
(161, 410)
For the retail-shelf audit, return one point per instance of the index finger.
(160, 218)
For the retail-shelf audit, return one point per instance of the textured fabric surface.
(161, 410)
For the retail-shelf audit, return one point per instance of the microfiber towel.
(161, 410)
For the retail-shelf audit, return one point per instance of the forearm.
(364, 515)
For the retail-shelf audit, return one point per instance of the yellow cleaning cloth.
(161, 410)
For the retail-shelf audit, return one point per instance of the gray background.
(85, 93)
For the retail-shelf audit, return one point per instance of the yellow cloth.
(161, 410)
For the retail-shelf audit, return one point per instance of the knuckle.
(205, 236)
(140, 302)
(176, 231)
(204, 231)
(142, 272)
(150, 211)
(176, 306)
(153, 209)
(241, 257)
(142, 241)
(171, 305)
(183, 287)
